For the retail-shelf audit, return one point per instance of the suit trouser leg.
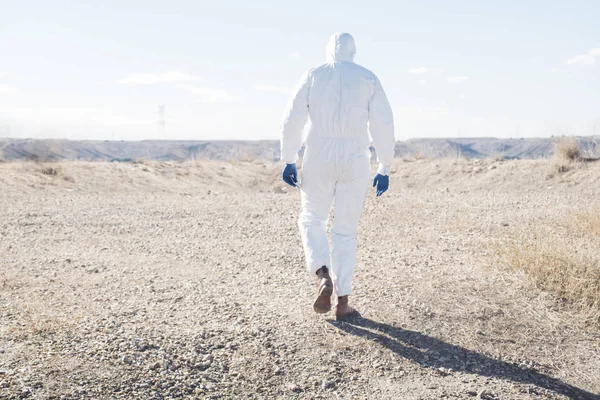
(317, 195)
(350, 194)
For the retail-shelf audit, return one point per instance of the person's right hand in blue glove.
(382, 182)
(290, 174)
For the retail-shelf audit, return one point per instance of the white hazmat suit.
(345, 102)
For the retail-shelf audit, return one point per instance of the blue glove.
(382, 182)
(290, 174)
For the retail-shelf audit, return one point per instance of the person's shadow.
(418, 347)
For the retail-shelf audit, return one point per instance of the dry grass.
(56, 170)
(567, 152)
(568, 149)
(562, 258)
(37, 319)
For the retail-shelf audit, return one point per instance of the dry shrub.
(563, 259)
(56, 172)
(568, 149)
(567, 152)
(50, 171)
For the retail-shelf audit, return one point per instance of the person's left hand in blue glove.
(290, 175)
(382, 182)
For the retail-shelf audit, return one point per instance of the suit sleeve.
(294, 120)
(381, 129)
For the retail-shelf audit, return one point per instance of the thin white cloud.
(274, 89)
(594, 52)
(3, 74)
(456, 79)
(153, 79)
(418, 70)
(209, 95)
(294, 56)
(584, 59)
(423, 82)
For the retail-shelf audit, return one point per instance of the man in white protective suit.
(345, 102)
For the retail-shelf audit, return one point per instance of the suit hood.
(341, 47)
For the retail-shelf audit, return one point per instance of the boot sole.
(323, 303)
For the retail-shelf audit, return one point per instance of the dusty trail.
(156, 281)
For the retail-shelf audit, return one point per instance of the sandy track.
(169, 281)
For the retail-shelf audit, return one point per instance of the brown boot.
(343, 311)
(324, 291)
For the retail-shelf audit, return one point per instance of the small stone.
(294, 388)
(203, 365)
(327, 384)
(486, 394)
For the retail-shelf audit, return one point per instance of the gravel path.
(135, 281)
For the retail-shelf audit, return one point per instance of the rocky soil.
(165, 280)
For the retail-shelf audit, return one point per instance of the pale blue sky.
(224, 69)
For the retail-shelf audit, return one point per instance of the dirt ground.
(165, 280)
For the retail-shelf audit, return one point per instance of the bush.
(567, 151)
(50, 171)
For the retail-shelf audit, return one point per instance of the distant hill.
(177, 150)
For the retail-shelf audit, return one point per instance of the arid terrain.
(268, 150)
(161, 280)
